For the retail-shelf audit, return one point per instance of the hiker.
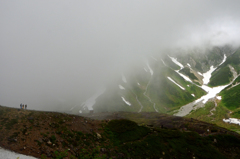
(25, 106)
(21, 106)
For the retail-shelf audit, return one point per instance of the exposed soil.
(58, 135)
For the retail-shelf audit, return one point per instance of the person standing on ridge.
(21, 106)
(25, 106)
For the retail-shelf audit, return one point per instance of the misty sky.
(62, 51)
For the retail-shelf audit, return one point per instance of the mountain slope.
(225, 73)
(164, 83)
(135, 135)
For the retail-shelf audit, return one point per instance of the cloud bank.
(57, 53)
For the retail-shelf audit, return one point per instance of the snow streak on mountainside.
(92, 100)
(176, 62)
(126, 101)
(121, 87)
(154, 86)
(176, 83)
(207, 75)
(212, 92)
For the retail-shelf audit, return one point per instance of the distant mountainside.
(176, 83)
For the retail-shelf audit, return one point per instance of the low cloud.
(58, 53)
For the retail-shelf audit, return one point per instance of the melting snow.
(175, 83)
(128, 103)
(176, 62)
(219, 97)
(124, 79)
(121, 87)
(207, 75)
(188, 64)
(200, 73)
(212, 92)
(91, 101)
(6, 154)
(232, 120)
(183, 76)
(188, 85)
(224, 59)
(151, 71)
(138, 84)
(193, 95)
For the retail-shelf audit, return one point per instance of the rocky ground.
(151, 135)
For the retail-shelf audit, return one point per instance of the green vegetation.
(172, 97)
(163, 143)
(186, 71)
(10, 123)
(217, 117)
(230, 97)
(221, 76)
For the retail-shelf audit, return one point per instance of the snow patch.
(193, 95)
(219, 97)
(128, 103)
(176, 62)
(188, 85)
(224, 59)
(200, 73)
(151, 71)
(212, 92)
(232, 120)
(138, 84)
(121, 87)
(80, 111)
(91, 101)
(6, 154)
(175, 83)
(124, 79)
(207, 75)
(145, 69)
(188, 64)
(185, 77)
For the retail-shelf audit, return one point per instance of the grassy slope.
(230, 97)
(221, 113)
(186, 71)
(167, 94)
(222, 75)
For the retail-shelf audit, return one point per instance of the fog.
(58, 53)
